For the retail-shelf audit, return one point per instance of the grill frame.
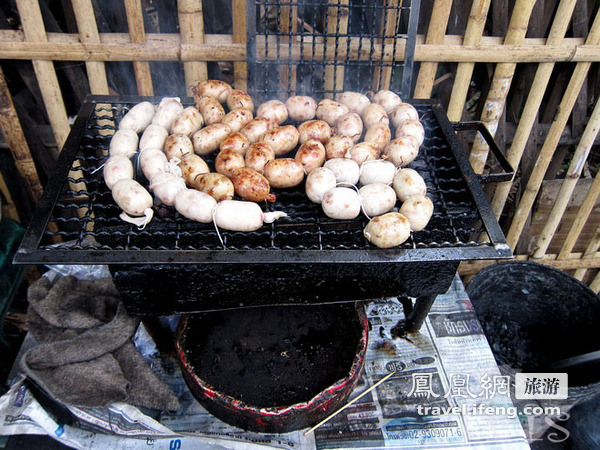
(34, 251)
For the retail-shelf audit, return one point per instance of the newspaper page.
(446, 391)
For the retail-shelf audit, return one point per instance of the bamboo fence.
(502, 56)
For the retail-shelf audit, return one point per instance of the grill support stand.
(414, 314)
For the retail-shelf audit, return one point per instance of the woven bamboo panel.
(558, 229)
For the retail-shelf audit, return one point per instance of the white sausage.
(166, 186)
(124, 143)
(388, 230)
(131, 197)
(273, 110)
(337, 146)
(239, 99)
(208, 139)
(168, 111)
(411, 128)
(212, 111)
(235, 215)
(301, 108)
(401, 151)
(377, 171)
(213, 88)
(191, 166)
(138, 117)
(341, 203)
(350, 125)
(379, 134)
(152, 162)
(408, 182)
(373, 114)
(154, 137)
(354, 101)
(376, 199)
(177, 146)
(388, 99)
(117, 168)
(363, 152)
(195, 205)
(282, 139)
(236, 119)
(189, 121)
(402, 113)
(284, 173)
(331, 111)
(418, 209)
(318, 182)
(345, 170)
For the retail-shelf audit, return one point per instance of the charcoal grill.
(175, 265)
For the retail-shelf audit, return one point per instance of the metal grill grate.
(320, 48)
(81, 206)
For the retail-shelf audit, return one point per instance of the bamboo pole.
(289, 24)
(528, 118)
(464, 71)
(568, 186)
(168, 47)
(494, 104)
(34, 31)
(595, 284)
(191, 26)
(240, 68)
(135, 24)
(582, 216)
(549, 146)
(590, 251)
(8, 206)
(337, 23)
(88, 33)
(382, 76)
(15, 138)
(575, 261)
(435, 35)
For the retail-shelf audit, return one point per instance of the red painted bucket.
(274, 369)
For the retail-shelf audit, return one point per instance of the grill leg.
(415, 315)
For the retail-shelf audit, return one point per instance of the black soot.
(273, 356)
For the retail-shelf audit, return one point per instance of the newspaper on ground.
(446, 391)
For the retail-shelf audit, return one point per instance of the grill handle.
(476, 125)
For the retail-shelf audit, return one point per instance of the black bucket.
(534, 316)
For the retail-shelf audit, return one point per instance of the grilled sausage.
(388, 230)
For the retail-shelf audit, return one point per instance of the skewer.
(332, 415)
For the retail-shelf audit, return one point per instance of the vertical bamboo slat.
(289, 24)
(137, 34)
(591, 249)
(8, 207)
(595, 285)
(464, 71)
(382, 76)
(34, 30)
(435, 35)
(240, 69)
(88, 34)
(554, 134)
(561, 22)
(337, 23)
(191, 26)
(496, 99)
(14, 137)
(568, 186)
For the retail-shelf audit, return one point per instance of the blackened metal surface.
(167, 289)
(228, 402)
